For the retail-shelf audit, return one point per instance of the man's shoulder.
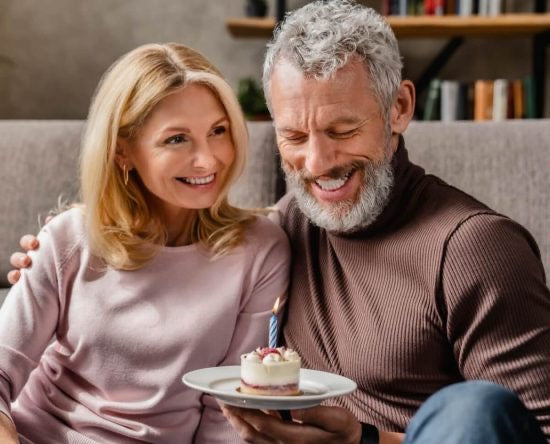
(442, 203)
(287, 208)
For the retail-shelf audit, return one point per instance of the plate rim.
(352, 386)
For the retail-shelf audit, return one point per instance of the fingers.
(328, 418)
(13, 276)
(245, 430)
(20, 260)
(28, 242)
(280, 431)
(333, 420)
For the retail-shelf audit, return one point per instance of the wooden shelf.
(251, 27)
(423, 26)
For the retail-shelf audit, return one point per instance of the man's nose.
(319, 156)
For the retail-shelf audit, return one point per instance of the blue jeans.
(473, 412)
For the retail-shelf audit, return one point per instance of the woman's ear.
(402, 109)
(121, 155)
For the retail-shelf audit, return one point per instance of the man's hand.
(314, 425)
(21, 260)
(8, 434)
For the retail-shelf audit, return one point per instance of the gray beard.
(349, 215)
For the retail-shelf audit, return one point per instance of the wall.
(58, 49)
(53, 52)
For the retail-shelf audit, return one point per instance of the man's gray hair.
(320, 38)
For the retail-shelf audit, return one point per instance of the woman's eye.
(219, 130)
(174, 140)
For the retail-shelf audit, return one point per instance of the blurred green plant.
(251, 98)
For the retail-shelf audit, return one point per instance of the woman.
(155, 275)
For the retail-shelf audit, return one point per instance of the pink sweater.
(123, 339)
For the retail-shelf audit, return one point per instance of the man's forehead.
(286, 125)
(354, 64)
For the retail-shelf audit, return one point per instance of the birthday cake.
(270, 371)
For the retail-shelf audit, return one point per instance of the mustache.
(334, 173)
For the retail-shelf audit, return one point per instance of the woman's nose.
(203, 157)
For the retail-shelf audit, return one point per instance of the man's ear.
(402, 109)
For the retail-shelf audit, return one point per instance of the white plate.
(223, 382)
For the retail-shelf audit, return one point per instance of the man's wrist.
(369, 434)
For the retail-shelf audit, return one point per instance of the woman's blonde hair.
(122, 228)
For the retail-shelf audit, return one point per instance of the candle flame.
(276, 306)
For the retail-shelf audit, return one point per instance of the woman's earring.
(125, 171)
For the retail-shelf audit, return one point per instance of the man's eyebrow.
(286, 129)
(348, 121)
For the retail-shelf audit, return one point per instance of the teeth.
(198, 180)
(332, 184)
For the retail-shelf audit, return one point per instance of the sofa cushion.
(38, 164)
(258, 185)
(503, 164)
(3, 294)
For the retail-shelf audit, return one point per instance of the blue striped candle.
(273, 325)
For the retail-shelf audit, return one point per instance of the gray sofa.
(506, 165)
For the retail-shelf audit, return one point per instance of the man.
(399, 282)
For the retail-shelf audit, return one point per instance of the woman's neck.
(179, 228)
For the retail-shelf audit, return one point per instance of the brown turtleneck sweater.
(439, 289)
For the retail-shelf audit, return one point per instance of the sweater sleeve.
(28, 318)
(498, 309)
(268, 280)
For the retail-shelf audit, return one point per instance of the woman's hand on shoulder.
(20, 260)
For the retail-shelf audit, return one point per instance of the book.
(385, 7)
(449, 100)
(483, 100)
(429, 7)
(439, 7)
(483, 7)
(517, 88)
(402, 7)
(470, 101)
(530, 111)
(510, 104)
(394, 7)
(450, 7)
(464, 104)
(433, 106)
(465, 7)
(495, 7)
(500, 99)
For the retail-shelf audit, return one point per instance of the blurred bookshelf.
(453, 20)
(422, 25)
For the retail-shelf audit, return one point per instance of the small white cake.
(270, 371)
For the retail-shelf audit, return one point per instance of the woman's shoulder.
(67, 226)
(70, 219)
(264, 229)
(264, 235)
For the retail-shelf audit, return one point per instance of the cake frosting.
(270, 371)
